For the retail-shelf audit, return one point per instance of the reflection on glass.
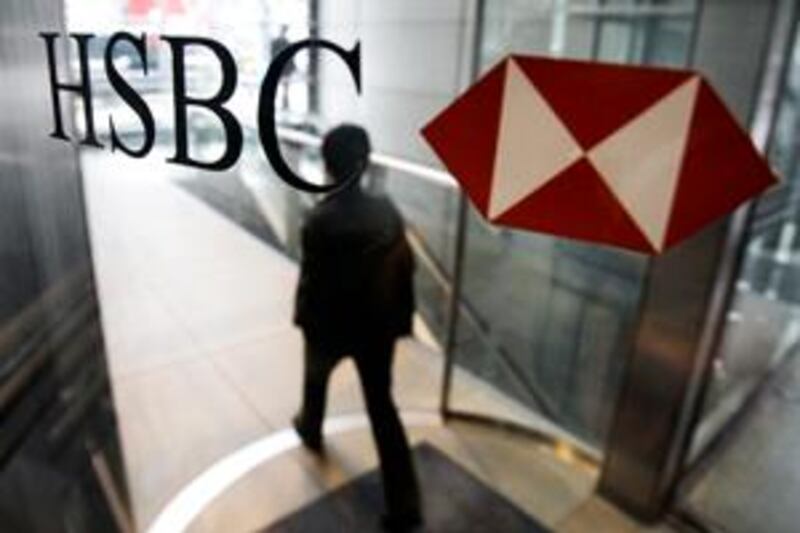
(548, 320)
(60, 461)
(762, 323)
(253, 31)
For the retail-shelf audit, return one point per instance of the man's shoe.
(405, 523)
(312, 441)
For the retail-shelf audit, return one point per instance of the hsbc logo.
(639, 158)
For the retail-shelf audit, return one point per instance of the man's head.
(345, 150)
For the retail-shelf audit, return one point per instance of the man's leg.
(400, 485)
(318, 366)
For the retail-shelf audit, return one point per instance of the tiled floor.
(204, 360)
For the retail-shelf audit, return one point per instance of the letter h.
(83, 87)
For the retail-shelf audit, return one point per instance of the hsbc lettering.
(182, 101)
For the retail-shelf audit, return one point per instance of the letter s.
(129, 94)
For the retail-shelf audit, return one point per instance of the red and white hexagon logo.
(639, 158)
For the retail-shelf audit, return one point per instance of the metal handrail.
(439, 177)
(633, 11)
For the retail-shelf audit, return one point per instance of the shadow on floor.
(225, 193)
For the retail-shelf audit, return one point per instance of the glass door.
(546, 323)
(742, 465)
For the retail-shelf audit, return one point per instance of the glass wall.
(60, 461)
(762, 324)
(252, 30)
(249, 193)
(546, 322)
(560, 351)
(744, 474)
(549, 319)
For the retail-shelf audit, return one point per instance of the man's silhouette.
(355, 297)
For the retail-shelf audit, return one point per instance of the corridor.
(204, 361)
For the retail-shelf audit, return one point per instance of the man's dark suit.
(355, 297)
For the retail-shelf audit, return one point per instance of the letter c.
(266, 107)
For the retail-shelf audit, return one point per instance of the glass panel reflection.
(60, 461)
(554, 316)
(762, 323)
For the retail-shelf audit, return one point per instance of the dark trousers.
(373, 360)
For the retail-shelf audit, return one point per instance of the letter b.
(233, 131)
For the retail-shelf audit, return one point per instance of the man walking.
(355, 297)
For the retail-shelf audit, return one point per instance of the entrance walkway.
(204, 361)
